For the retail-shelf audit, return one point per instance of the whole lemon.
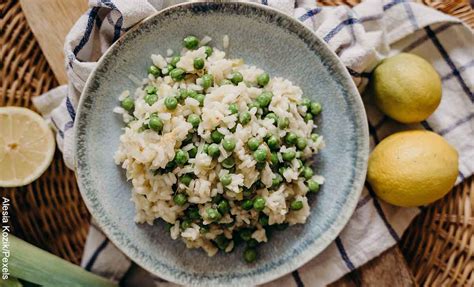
(406, 88)
(412, 168)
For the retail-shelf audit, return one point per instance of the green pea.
(223, 206)
(233, 109)
(188, 139)
(245, 234)
(301, 143)
(264, 99)
(154, 70)
(182, 95)
(191, 42)
(221, 241)
(213, 150)
(169, 67)
(263, 79)
(226, 82)
(194, 120)
(244, 118)
(277, 180)
(260, 155)
(151, 89)
(207, 81)
(252, 243)
(226, 179)
(216, 136)
(181, 157)
(204, 229)
(308, 117)
(171, 103)
(208, 50)
(193, 213)
(180, 199)
(247, 192)
(272, 116)
(216, 199)
(263, 219)
(260, 165)
(205, 148)
(306, 102)
(236, 78)
(254, 105)
(307, 172)
(185, 179)
(314, 137)
(274, 158)
(228, 144)
(170, 165)
(259, 203)
(193, 152)
(281, 227)
(174, 61)
(250, 255)
(128, 104)
(213, 214)
(315, 108)
(168, 226)
(247, 204)
(288, 155)
(155, 123)
(291, 138)
(186, 224)
(198, 63)
(228, 162)
(177, 74)
(296, 205)
(283, 123)
(313, 186)
(273, 142)
(200, 99)
(192, 94)
(150, 99)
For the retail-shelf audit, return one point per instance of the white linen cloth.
(361, 37)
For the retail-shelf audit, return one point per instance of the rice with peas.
(218, 149)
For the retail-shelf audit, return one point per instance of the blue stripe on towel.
(421, 40)
(411, 16)
(456, 124)
(88, 31)
(343, 253)
(450, 62)
(379, 209)
(265, 2)
(426, 125)
(96, 253)
(60, 132)
(338, 28)
(70, 108)
(460, 69)
(309, 14)
(297, 278)
(391, 4)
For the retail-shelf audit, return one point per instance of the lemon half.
(26, 146)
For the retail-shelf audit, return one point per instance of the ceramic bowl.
(267, 39)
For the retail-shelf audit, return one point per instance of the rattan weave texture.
(439, 245)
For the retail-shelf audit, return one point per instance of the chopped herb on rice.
(218, 149)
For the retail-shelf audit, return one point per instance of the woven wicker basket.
(439, 245)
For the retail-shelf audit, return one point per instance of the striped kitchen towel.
(361, 37)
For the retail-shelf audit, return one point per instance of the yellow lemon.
(26, 146)
(406, 88)
(412, 168)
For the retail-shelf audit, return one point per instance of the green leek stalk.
(32, 264)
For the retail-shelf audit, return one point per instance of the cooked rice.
(145, 153)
